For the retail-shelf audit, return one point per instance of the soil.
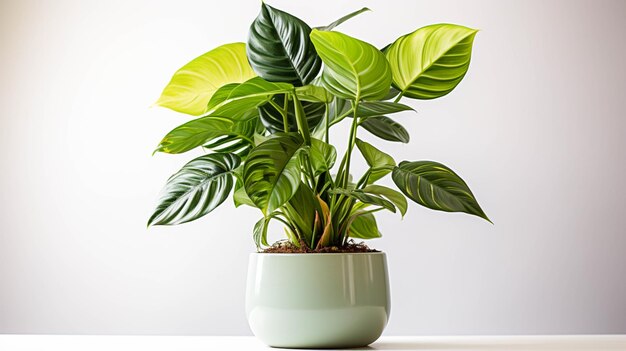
(288, 247)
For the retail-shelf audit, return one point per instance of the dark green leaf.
(279, 48)
(394, 196)
(271, 174)
(199, 187)
(272, 119)
(367, 198)
(239, 141)
(437, 187)
(377, 108)
(386, 128)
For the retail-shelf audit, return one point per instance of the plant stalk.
(351, 142)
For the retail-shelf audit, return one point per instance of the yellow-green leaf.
(432, 61)
(191, 88)
(353, 69)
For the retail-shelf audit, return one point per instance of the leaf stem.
(303, 127)
(399, 97)
(327, 119)
(351, 142)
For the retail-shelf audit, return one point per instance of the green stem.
(283, 112)
(327, 118)
(340, 118)
(351, 142)
(303, 127)
(363, 179)
(308, 171)
(399, 96)
(286, 114)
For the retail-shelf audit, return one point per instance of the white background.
(536, 128)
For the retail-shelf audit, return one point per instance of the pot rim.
(305, 254)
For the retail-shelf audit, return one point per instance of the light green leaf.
(247, 96)
(260, 232)
(195, 190)
(392, 195)
(195, 133)
(279, 48)
(386, 128)
(437, 187)
(240, 197)
(190, 89)
(353, 69)
(300, 210)
(380, 163)
(343, 19)
(432, 61)
(271, 174)
(221, 95)
(313, 93)
(364, 226)
(322, 155)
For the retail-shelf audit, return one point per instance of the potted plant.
(263, 113)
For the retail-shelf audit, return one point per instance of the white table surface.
(247, 343)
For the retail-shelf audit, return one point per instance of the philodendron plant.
(263, 113)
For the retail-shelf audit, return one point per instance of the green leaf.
(240, 197)
(343, 19)
(393, 92)
(195, 133)
(365, 198)
(386, 128)
(195, 190)
(377, 108)
(432, 61)
(271, 174)
(192, 86)
(247, 96)
(353, 69)
(279, 48)
(322, 155)
(364, 226)
(394, 196)
(313, 93)
(238, 141)
(273, 121)
(436, 186)
(380, 163)
(221, 95)
(260, 232)
(300, 210)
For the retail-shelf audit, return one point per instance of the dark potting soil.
(288, 247)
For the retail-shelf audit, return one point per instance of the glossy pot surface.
(333, 300)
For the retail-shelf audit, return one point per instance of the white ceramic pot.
(328, 300)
